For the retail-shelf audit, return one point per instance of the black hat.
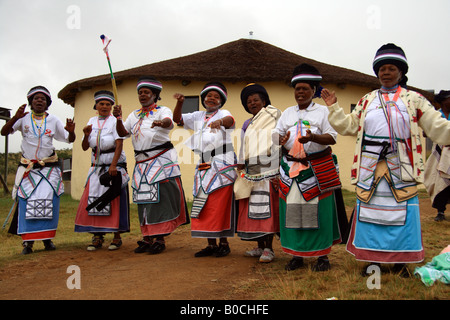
(214, 86)
(104, 95)
(442, 95)
(151, 83)
(39, 89)
(308, 74)
(391, 54)
(253, 88)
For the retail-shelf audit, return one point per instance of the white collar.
(311, 107)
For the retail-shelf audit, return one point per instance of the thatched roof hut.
(235, 64)
(240, 60)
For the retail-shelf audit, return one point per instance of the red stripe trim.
(42, 235)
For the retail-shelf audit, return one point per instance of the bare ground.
(174, 274)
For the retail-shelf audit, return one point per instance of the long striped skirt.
(217, 217)
(37, 212)
(170, 212)
(34, 229)
(384, 234)
(259, 218)
(117, 220)
(311, 242)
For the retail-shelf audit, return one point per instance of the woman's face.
(146, 97)
(39, 103)
(303, 94)
(212, 100)
(104, 107)
(389, 75)
(255, 103)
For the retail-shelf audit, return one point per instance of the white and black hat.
(104, 95)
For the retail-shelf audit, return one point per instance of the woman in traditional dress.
(256, 187)
(213, 209)
(38, 185)
(437, 168)
(156, 182)
(388, 163)
(104, 205)
(308, 175)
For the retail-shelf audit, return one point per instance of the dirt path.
(174, 274)
(123, 275)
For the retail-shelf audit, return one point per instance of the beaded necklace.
(40, 131)
(393, 103)
(143, 113)
(99, 133)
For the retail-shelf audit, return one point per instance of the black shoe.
(27, 247)
(142, 247)
(208, 251)
(223, 250)
(322, 264)
(295, 263)
(157, 247)
(49, 245)
(440, 217)
(401, 270)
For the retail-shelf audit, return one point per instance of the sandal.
(97, 242)
(115, 244)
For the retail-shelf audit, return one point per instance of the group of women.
(286, 180)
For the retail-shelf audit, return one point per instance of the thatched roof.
(241, 60)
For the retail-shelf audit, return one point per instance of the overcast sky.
(56, 42)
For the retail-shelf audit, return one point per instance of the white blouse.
(106, 141)
(314, 118)
(143, 136)
(38, 135)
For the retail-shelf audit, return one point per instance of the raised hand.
(87, 130)
(179, 97)
(329, 97)
(117, 111)
(70, 125)
(20, 113)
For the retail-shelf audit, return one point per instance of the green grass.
(345, 281)
(67, 238)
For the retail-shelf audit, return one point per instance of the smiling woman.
(213, 210)
(156, 182)
(388, 163)
(256, 186)
(38, 185)
(389, 75)
(309, 193)
(104, 204)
